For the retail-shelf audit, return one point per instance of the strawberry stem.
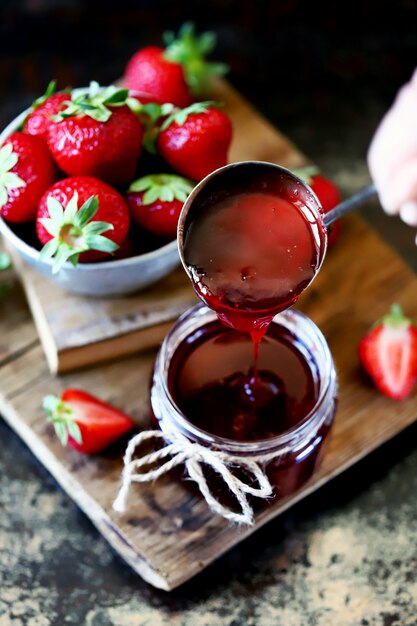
(191, 51)
(395, 318)
(8, 179)
(179, 116)
(306, 173)
(95, 103)
(163, 187)
(60, 415)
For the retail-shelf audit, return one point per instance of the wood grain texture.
(169, 535)
(76, 331)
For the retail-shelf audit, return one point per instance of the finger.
(408, 213)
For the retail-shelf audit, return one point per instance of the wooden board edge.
(44, 332)
(86, 503)
(102, 352)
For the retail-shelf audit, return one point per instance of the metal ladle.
(258, 176)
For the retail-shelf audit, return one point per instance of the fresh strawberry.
(176, 73)
(80, 218)
(97, 135)
(85, 422)
(26, 171)
(195, 140)
(155, 202)
(48, 105)
(388, 353)
(327, 192)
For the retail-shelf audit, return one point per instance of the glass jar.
(292, 455)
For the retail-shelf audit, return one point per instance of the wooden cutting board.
(167, 534)
(76, 331)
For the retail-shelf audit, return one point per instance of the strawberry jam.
(213, 382)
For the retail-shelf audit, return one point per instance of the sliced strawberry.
(176, 73)
(155, 202)
(80, 218)
(85, 422)
(196, 140)
(388, 353)
(26, 171)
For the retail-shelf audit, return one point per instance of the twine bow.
(180, 450)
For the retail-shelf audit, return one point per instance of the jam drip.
(213, 382)
(250, 255)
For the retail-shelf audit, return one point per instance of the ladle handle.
(349, 204)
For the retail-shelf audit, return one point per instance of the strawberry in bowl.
(80, 218)
(195, 141)
(97, 134)
(155, 202)
(93, 249)
(26, 171)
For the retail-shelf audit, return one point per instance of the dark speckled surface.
(346, 556)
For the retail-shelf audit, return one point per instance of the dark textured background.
(324, 73)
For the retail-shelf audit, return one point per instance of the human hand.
(392, 155)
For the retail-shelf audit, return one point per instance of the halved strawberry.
(388, 353)
(176, 73)
(155, 202)
(85, 422)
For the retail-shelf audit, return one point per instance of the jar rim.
(298, 431)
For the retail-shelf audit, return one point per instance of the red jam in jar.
(204, 387)
(212, 380)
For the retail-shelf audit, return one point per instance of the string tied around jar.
(179, 450)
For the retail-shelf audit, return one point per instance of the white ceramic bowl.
(107, 278)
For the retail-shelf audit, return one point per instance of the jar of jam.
(204, 386)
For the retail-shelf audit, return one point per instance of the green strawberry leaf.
(74, 431)
(49, 249)
(94, 103)
(395, 317)
(164, 187)
(179, 116)
(50, 91)
(61, 416)
(117, 97)
(86, 212)
(306, 173)
(8, 180)
(61, 432)
(190, 51)
(3, 196)
(73, 231)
